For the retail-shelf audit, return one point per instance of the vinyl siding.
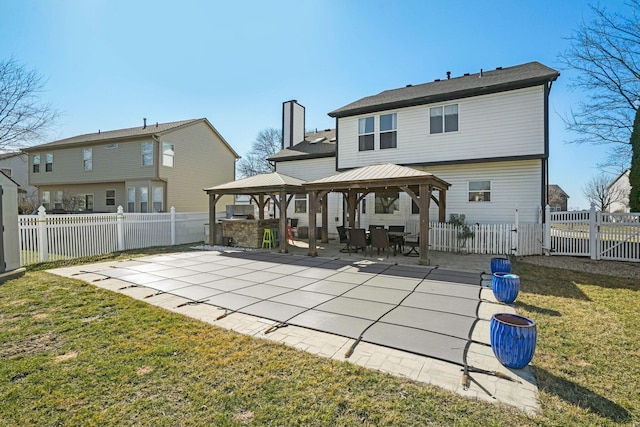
(201, 160)
(497, 125)
(109, 164)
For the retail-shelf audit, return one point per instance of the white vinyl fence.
(46, 237)
(599, 235)
(494, 239)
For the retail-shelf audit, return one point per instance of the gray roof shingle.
(315, 144)
(500, 79)
(151, 129)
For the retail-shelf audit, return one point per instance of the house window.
(157, 199)
(144, 199)
(555, 207)
(365, 134)
(300, 203)
(111, 198)
(363, 205)
(87, 159)
(479, 191)
(443, 119)
(415, 210)
(46, 199)
(388, 131)
(131, 199)
(36, 163)
(168, 152)
(7, 172)
(85, 202)
(49, 162)
(147, 154)
(58, 201)
(387, 203)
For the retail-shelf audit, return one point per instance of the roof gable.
(316, 144)
(485, 82)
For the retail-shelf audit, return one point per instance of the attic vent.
(408, 85)
(436, 80)
(111, 146)
(466, 74)
(499, 68)
(315, 141)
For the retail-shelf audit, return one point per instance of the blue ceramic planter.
(513, 339)
(505, 287)
(500, 265)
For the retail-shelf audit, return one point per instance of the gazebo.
(355, 184)
(273, 185)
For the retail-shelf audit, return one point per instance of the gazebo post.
(325, 218)
(282, 206)
(425, 200)
(212, 219)
(351, 205)
(313, 250)
(261, 206)
(442, 205)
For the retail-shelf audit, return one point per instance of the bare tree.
(23, 117)
(606, 54)
(267, 143)
(599, 192)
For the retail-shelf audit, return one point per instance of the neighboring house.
(143, 169)
(485, 133)
(16, 166)
(557, 199)
(620, 189)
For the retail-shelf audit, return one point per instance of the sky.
(109, 63)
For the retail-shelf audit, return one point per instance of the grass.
(74, 354)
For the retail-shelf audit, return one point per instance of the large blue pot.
(513, 339)
(500, 265)
(505, 287)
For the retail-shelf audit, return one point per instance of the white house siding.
(622, 187)
(202, 160)
(497, 125)
(309, 170)
(514, 184)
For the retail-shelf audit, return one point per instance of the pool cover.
(422, 310)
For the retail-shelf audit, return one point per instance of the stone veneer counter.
(247, 233)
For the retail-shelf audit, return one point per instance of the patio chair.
(357, 240)
(344, 238)
(380, 240)
(397, 241)
(413, 242)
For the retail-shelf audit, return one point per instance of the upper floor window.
(365, 134)
(49, 162)
(111, 198)
(300, 203)
(87, 159)
(479, 191)
(168, 152)
(443, 119)
(36, 163)
(147, 154)
(387, 203)
(388, 131)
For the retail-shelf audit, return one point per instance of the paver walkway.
(418, 322)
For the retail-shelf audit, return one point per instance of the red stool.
(289, 233)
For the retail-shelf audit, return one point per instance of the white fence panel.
(144, 230)
(569, 233)
(190, 226)
(618, 236)
(28, 232)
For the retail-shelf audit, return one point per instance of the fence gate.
(599, 235)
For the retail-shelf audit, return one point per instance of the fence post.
(546, 240)
(173, 225)
(592, 232)
(43, 244)
(120, 228)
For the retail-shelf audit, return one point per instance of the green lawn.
(74, 354)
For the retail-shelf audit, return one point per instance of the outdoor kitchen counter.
(246, 233)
